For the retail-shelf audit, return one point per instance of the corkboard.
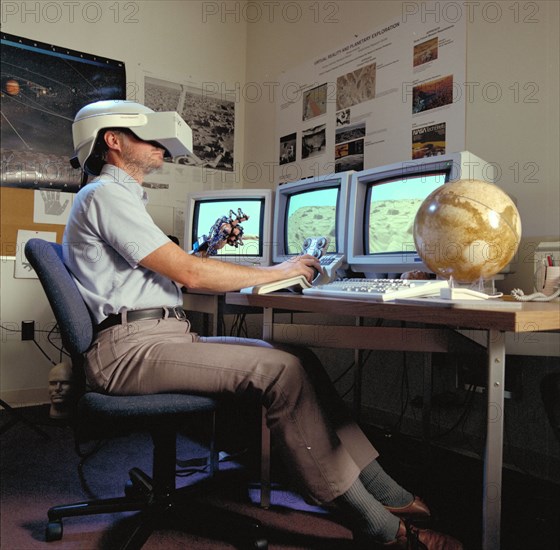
(16, 212)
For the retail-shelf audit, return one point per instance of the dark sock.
(383, 487)
(367, 515)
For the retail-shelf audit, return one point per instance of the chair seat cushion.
(97, 412)
(141, 406)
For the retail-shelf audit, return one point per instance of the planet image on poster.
(12, 87)
(468, 230)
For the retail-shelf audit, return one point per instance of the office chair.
(98, 415)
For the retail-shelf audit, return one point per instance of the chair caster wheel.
(131, 490)
(53, 531)
(251, 543)
(255, 544)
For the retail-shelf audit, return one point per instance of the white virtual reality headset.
(166, 129)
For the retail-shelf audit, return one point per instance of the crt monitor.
(311, 207)
(205, 207)
(383, 204)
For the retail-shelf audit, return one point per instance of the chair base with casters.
(157, 499)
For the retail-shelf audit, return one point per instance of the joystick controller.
(315, 246)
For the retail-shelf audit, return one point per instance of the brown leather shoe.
(416, 509)
(417, 512)
(412, 538)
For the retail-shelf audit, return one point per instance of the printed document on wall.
(393, 94)
(22, 267)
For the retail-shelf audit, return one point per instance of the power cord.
(239, 326)
(519, 295)
(461, 421)
(49, 333)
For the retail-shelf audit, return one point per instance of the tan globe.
(468, 230)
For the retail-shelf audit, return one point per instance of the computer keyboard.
(380, 290)
(329, 263)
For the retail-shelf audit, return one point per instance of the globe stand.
(474, 291)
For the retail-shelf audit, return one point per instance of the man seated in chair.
(131, 274)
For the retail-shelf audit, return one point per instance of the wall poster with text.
(386, 96)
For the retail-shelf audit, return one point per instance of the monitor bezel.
(287, 190)
(462, 165)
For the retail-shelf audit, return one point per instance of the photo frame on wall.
(211, 117)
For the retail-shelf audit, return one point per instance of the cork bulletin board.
(17, 208)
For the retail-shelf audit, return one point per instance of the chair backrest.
(70, 311)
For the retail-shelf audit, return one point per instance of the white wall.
(173, 39)
(249, 45)
(512, 68)
(287, 40)
(24, 368)
(514, 117)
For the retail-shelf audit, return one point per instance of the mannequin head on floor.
(61, 390)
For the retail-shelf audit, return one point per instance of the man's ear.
(113, 140)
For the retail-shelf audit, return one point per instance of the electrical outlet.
(28, 330)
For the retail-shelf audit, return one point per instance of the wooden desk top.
(531, 317)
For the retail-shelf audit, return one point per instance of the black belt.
(132, 315)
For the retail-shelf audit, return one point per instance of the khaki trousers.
(323, 447)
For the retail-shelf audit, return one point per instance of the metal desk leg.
(265, 462)
(268, 317)
(358, 374)
(493, 456)
(427, 397)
